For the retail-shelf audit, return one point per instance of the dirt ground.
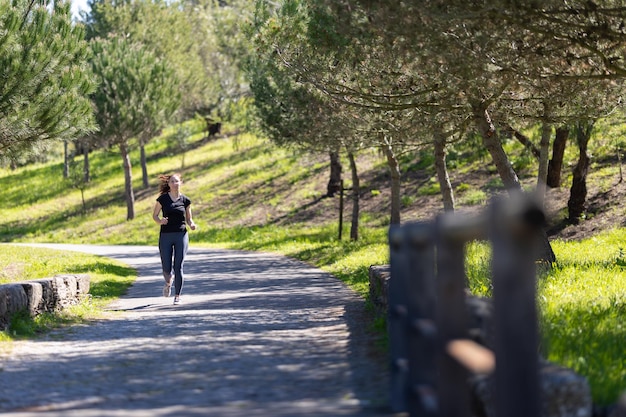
(604, 201)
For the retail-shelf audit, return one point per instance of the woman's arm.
(155, 214)
(189, 218)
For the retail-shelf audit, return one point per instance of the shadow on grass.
(589, 339)
(103, 268)
(109, 288)
(23, 326)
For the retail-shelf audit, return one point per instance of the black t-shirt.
(174, 211)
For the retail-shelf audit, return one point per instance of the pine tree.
(137, 93)
(45, 78)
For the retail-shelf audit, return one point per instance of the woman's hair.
(164, 182)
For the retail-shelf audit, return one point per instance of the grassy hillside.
(248, 194)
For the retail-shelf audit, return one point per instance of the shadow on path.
(256, 335)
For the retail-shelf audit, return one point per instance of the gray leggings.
(173, 245)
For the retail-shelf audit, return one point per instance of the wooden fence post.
(422, 328)
(453, 390)
(513, 228)
(397, 318)
(431, 354)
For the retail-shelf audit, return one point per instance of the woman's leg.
(180, 250)
(166, 250)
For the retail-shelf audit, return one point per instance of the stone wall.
(42, 295)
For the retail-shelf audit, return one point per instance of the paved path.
(256, 335)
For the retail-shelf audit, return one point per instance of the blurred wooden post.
(453, 390)
(422, 331)
(513, 228)
(397, 318)
(430, 350)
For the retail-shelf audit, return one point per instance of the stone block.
(12, 299)
(70, 290)
(379, 285)
(34, 295)
(4, 317)
(82, 282)
(564, 393)
(480, 320)
(49, 295)
(60, 289)
(17, 300)
(76, 287)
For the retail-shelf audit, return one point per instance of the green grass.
(472, 197)
(233, 179)
(431, 188)
(582, 305)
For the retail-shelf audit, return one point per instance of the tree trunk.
(493, 145)
(394, 170)
(578, 191)
(619, 162)
(144, 166)
(66, 161)
(86, 165)
(509, 178)
(128, 183)
(544, 150)
(354, 226)
(442, 173)
(558, 152)
(82, 197)
(334, 183)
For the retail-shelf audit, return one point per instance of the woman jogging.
(172, 212)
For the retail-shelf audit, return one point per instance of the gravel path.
(256, 335)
